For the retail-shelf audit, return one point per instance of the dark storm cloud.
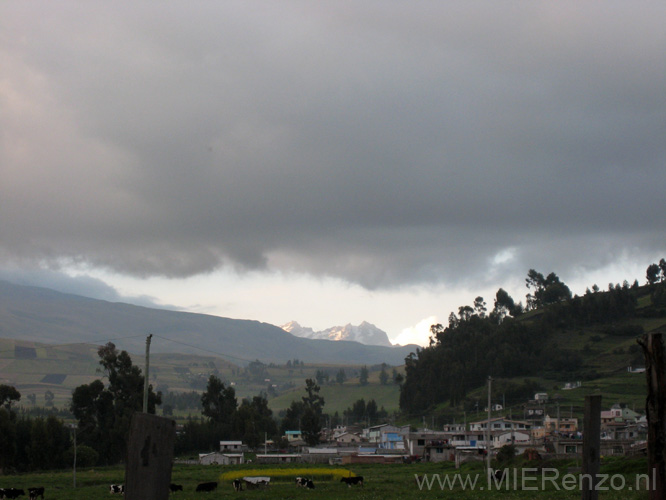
(384, 143)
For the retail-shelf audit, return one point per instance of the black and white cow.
(12, 493)
(498, 474)
(211, 486)
(352, 480)
(237, 484)
(175, 487)
(117, 488)
(33, 493)
(305, 482)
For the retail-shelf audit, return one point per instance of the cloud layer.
(384, 143)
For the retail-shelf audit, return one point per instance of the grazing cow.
(12, 493)
(352, 480)
(238, 484)
(33, 493)
(117, 488)
(175, 487)
(305, 482)
(498, 474)
(211, 486)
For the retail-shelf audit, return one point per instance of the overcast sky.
(330, 162)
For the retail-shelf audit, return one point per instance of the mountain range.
(44, 315)
(365, 333)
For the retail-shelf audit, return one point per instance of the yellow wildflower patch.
(283, 474)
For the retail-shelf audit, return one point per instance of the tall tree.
(8, 394)
(253, 421)
(652, 273)
(383, 375)
(218, 402)
(104, 412)
(363, 377)
(313, 405)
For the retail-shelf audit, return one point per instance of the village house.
(231, 446)
(374, 434)
(416, 442)
(517, 438)
(534, 413)
(347, 438)
(218, 458)
(618, 413)
(293, 436)
(500, 424)
(566, 425)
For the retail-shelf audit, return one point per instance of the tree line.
(512, 340)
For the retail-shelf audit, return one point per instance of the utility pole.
(73, 428)
(146, 382)
(490, 382)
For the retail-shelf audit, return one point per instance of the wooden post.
(655, 409)
(591, 445)
(149, 457)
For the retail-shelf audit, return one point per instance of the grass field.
(381, 482)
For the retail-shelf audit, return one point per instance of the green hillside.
(561, 340)
(35, 368)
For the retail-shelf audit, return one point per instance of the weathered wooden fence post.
(655, 409)
(591, 444)
(149, 457)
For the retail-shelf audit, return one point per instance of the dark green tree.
(8, 394)
(341, 376)
(652, 274)
(104, 412)
(219, 405)
(383, 375)
(504, 305)
(363, 376)
(313, 405)
(254, 421)
(218, 402)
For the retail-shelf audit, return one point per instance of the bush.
(506, 453)
(85, 456)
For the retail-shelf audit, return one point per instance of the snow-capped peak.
(365, 333)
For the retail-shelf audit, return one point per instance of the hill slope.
(43, 315)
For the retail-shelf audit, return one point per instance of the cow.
(117, 488)
(211, 486)
(498, 474)
(352, 480)
(175, 487)
(305, 482)
(33, 493)
(237, 484)
(12, 493)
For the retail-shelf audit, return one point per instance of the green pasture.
(381, 482)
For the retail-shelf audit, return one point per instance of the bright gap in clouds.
(405, 313)
(418, 334)
(277, 298)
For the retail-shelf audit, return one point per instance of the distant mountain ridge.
(365, 333)
(44, 315)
